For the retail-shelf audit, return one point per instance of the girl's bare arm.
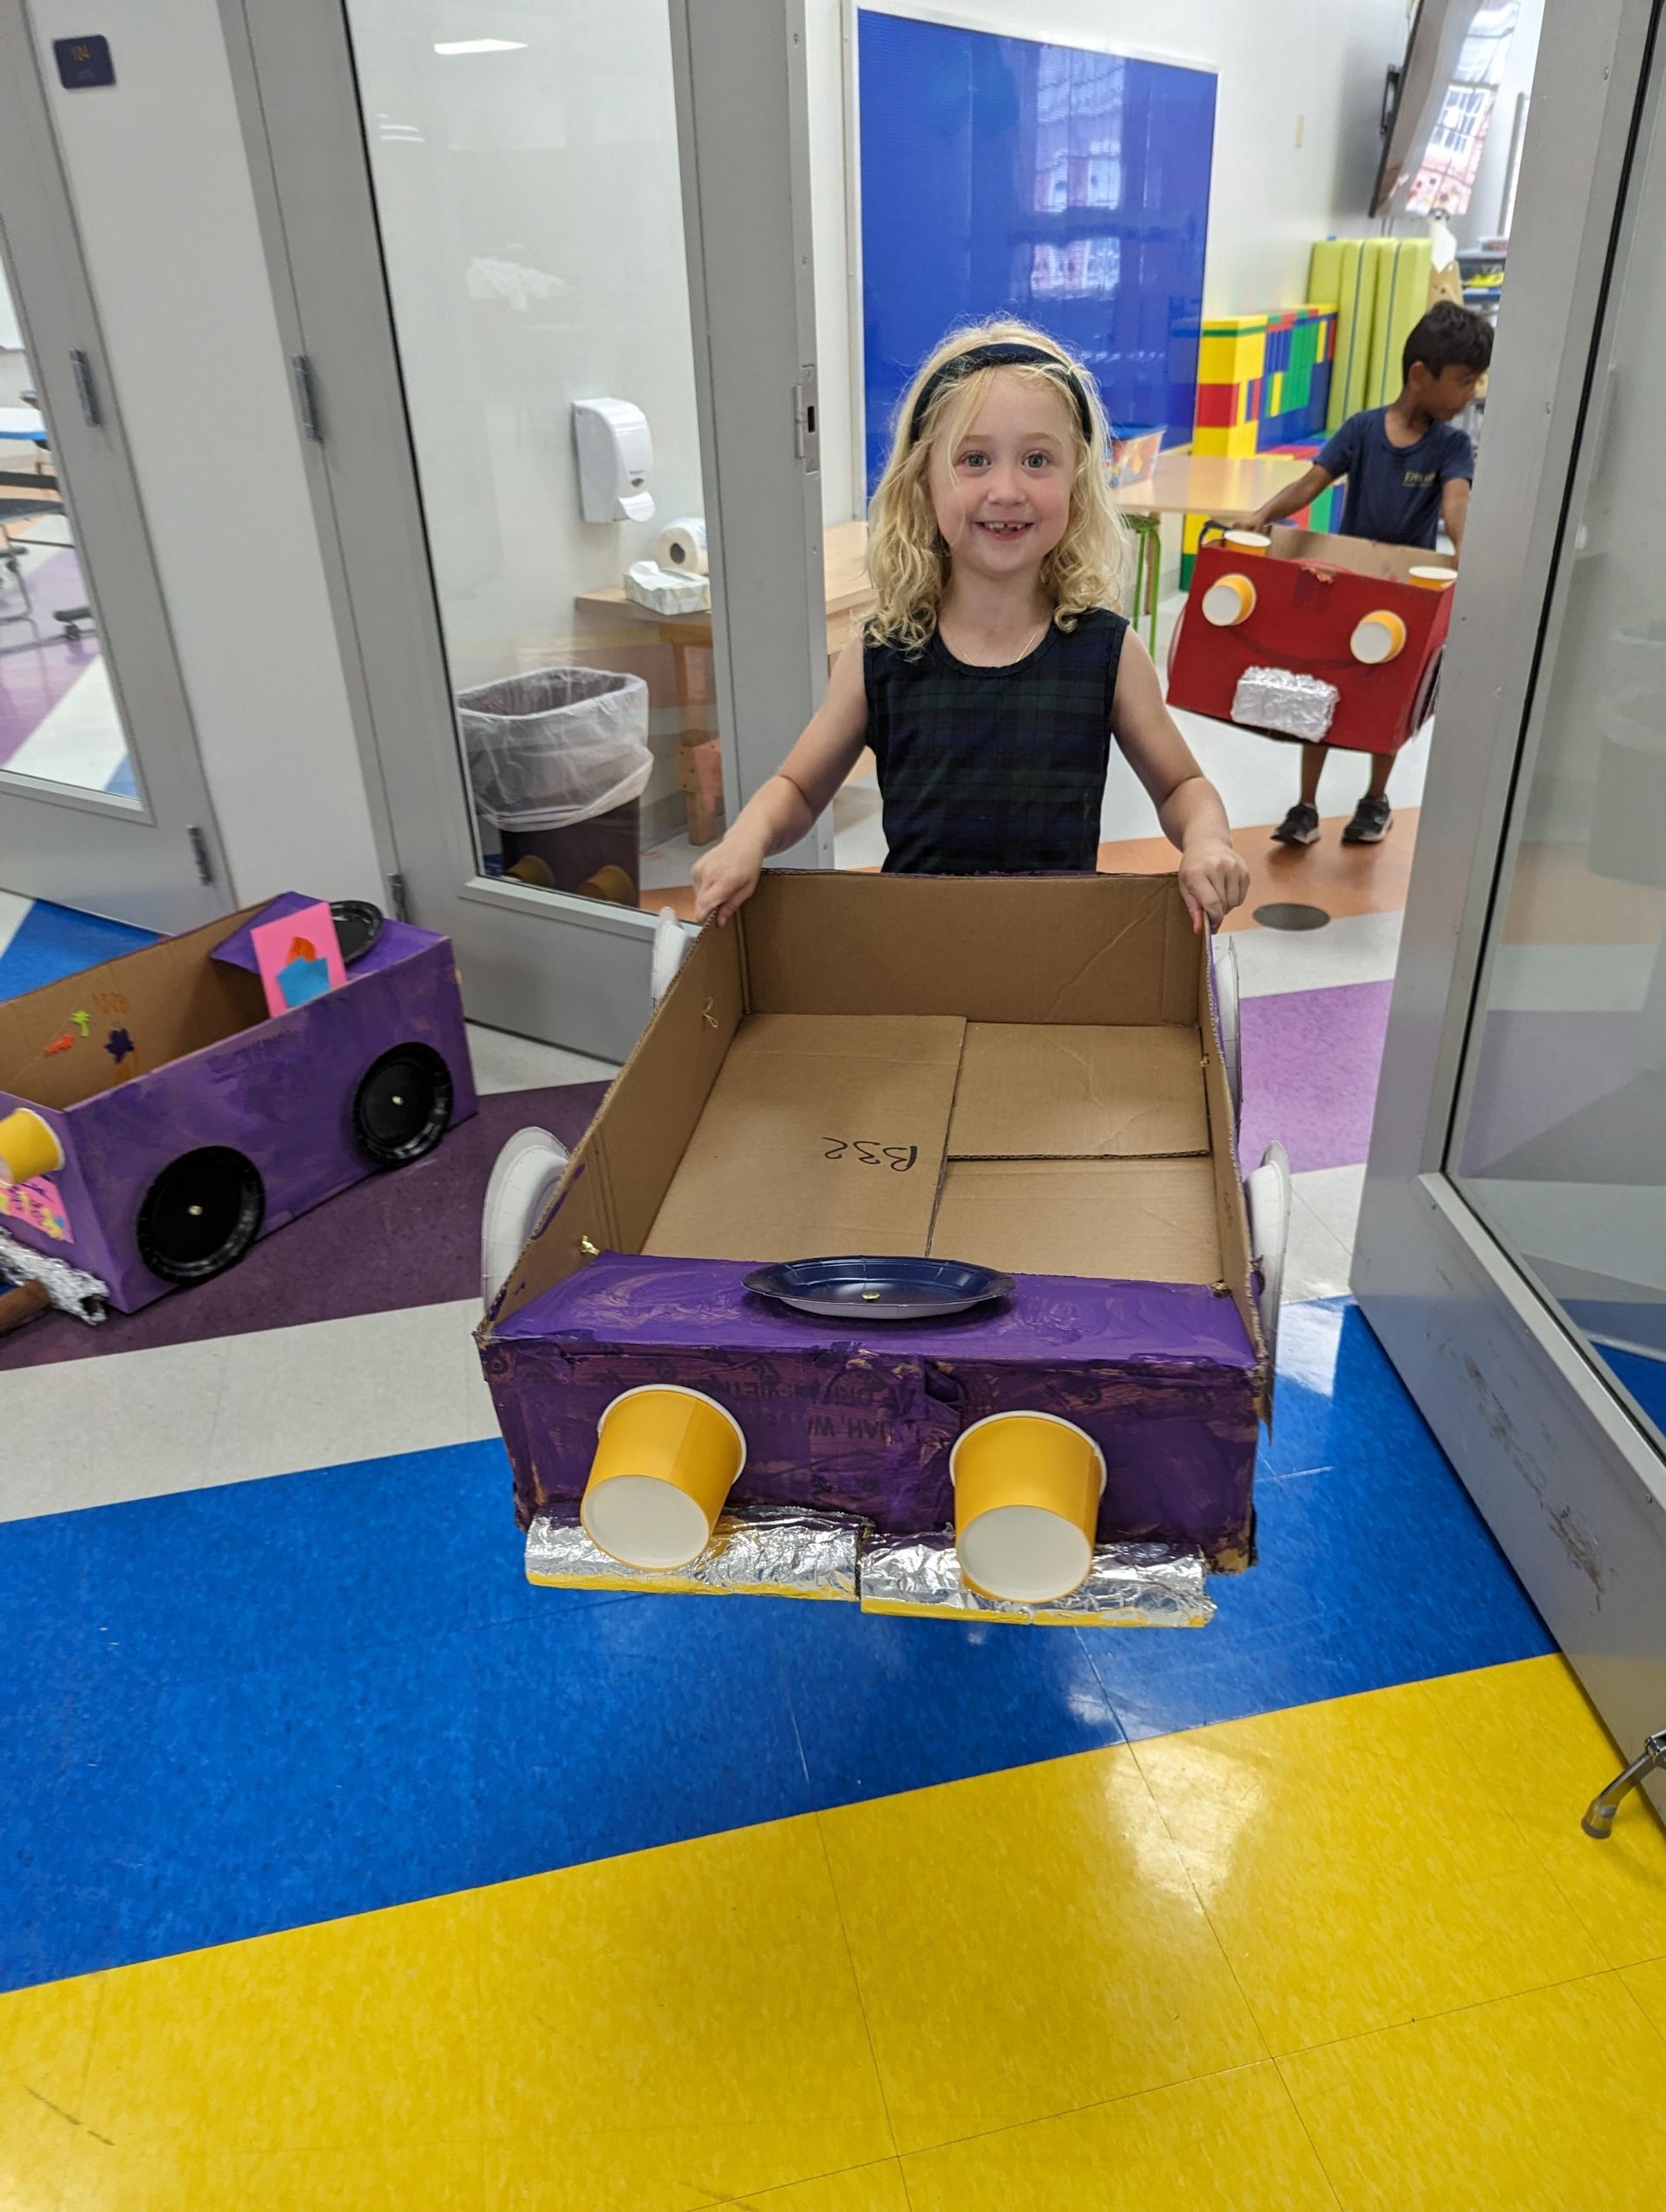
(782, 811)
(1213, 878)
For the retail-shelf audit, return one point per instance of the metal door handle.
(85, 390)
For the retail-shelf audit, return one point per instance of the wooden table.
(1226, 490)
(850, 596)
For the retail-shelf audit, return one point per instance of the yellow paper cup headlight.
(29, 1147)
(1378, 637)
(665, 1460)
(1247, 541)
(1026, 1502)
(1433, 579)
(1228, 600)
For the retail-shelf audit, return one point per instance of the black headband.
(1003, 353)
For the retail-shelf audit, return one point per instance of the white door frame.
(1571, 1483)
(156, 860)
(572, 971)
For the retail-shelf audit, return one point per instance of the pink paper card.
(300, 958)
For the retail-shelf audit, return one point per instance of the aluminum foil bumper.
(1128, 1585)
(768, 1552)
(71, 1289)
(1280, 699)
(781, 1552)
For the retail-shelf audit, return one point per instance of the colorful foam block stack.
(1382, 288)
(1264, 384)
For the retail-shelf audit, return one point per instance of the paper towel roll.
(682, 546)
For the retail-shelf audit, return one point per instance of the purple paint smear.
(1160, 1375)
(1311, 1060)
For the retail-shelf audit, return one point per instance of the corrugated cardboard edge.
(1232, 1211)
(703, 1006)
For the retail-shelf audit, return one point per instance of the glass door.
(103, 803)
(584, 575)
(1513, 1240)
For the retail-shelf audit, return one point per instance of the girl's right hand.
(726, 878)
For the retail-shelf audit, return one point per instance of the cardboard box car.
(1310, 593)
(166, 1055)
(1019, 1072)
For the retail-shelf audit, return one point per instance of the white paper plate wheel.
(670, 943)
(1268, 1196)
(523, 1182)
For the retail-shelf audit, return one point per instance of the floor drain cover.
(1283, 915)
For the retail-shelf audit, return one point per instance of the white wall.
(159, 180)
(1295, 144)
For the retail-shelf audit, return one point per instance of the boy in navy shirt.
(1409, 472)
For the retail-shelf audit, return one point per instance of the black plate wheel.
(402, 1108)
(201, 1215)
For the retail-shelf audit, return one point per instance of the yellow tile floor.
(1355, 1954)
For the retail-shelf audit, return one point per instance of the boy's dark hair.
(1448, 337)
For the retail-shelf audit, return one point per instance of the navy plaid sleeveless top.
(995, 771)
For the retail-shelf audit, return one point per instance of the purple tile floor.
(409, 1238)
(1310, 1064)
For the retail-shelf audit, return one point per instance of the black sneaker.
(1299, 826)
(1373, 819)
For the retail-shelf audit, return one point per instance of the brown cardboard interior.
(1129, 1220)
(822, 1134)
(732, 1134)
(1365, 556)
(170, 998)
(1117, 950)
(1042, 1090)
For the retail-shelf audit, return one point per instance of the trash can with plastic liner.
(558, 760)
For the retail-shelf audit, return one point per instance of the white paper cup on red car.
(1027, 1504)
(1229, 600)
(1378, 637)
(666, 1458)
(29, 1147)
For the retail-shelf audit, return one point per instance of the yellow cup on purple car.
(1027, 1504)
(29, 1147)
(665, 1460)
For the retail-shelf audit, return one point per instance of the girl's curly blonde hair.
(908, 555)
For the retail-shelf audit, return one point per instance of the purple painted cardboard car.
(1022, 1074)
(154, 1120)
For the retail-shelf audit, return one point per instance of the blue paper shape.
(300, 980)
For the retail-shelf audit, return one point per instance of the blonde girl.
(994, 671)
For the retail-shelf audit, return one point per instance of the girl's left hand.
(1213, 879)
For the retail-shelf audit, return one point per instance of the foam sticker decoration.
(29, 1147)
(1380, 637)
(39, 1205)
(298, 957)
(119, 1045)
(1229, 601)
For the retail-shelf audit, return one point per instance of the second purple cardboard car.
(1021, 1073)
(185, 1121)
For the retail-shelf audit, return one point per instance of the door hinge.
(807, 430)
(397, 899)
(199, 854)
(306, 397)
(85, 390)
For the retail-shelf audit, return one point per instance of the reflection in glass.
(530, 203)
(59, 723)
(1562, 1143)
